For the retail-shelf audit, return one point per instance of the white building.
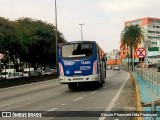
(151, 28)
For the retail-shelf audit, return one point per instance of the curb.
(138, 98)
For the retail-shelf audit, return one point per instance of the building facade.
(151, 28)
(113, 57)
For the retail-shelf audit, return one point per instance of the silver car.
(116, 67)
(109, 67)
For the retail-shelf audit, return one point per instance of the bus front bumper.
(89, 78)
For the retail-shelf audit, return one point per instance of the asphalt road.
(52, 96)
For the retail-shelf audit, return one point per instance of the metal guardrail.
(149, 104)
(152, 80)
(153, 105)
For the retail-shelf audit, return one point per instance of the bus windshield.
(77, 50)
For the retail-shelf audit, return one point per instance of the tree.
(38, 40)
(132, 36)
(29, 40)
(9, 43)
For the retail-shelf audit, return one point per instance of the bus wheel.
(100, 81)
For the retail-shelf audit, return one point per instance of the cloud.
(38, 9)
(103, 19)
(128, 8)
(119, 6)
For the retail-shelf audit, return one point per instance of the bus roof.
(77, 42)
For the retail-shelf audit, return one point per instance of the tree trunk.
(134, 61)
(131, 57)
(128, 60)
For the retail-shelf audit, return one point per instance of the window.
(157, 32)
(77, 50)
(151, 32)
(154, 43)
(151, 37)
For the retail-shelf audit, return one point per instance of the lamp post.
(56, 36)
(81, 32)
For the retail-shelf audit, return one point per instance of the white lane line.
(49, 110)
(27, 84)
(94, 92)
(115, 98)
(38, 87)
(6, 105)
(22, 100)
(63, 104)
(77, 99)
(52, 109)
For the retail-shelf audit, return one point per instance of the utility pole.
(56, 36)
(81, 32)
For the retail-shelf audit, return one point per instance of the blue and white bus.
(81, 62)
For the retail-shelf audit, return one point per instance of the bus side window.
(98, 55)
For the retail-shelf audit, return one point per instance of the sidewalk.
(126, 100)
(149, 89)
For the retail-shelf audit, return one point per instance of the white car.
(116, 67)
(14, 75)
(109, 67)
(6, 72)
(39, 71)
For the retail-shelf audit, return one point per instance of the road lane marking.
(115, 98)
(52, 109)
(38, 87)
(94, 92)
(8, 88)
(63, 104)
(77, 99)
(6, 105)
(22, 100)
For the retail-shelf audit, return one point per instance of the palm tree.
(132, 36)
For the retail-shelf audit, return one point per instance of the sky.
(103, 19)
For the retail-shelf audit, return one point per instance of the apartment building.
(113, 57)
(151, 28)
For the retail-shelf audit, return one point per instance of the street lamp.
(81, 32)
(56, 35)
